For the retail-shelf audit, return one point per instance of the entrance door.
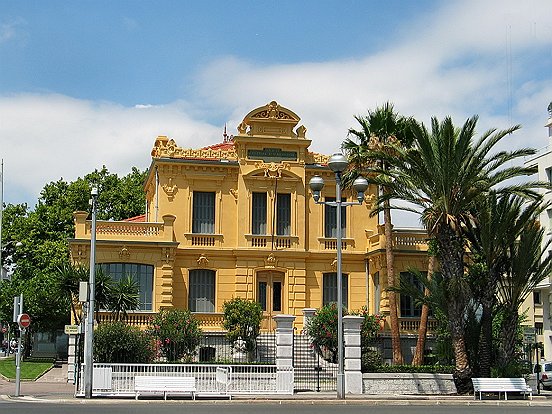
(270, 292)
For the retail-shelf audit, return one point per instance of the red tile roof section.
(141, 218)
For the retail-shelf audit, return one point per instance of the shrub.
(322, 329)
(242, 319)
(118, 342)
(177, 334)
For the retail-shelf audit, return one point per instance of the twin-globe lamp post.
(89, 327)
(338, 163)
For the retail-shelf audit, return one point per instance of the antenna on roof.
(226, 137)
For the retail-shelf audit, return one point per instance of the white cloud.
(468, 57)
(48, 137)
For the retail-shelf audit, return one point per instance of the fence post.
(284, 353)
(353, 374)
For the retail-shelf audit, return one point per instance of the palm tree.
(382, 131)
(500, 221)
(442, 176)
(69, 277)
(530, 263)
(124, 296)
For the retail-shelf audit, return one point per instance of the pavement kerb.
(326, 399)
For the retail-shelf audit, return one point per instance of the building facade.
(237, 220)
(538, 307)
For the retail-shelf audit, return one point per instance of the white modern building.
(540, 314)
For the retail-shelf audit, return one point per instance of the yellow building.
(237, 219)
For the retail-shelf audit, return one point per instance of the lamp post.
(89, 328)
(338, 163)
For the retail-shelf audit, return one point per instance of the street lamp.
(89, 328)
(338, 163)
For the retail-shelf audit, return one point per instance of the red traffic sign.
(24, 320)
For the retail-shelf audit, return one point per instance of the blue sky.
(88, 83)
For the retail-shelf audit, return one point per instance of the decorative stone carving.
(168, 254)
(369, 200)
(333, 265)
(315, 158)
(170, 189)
(301, 131)
(234, 192)
(124, 253)
(202, 261)
(165, 148)
(242, 128)
(273, 170)
(271, 261)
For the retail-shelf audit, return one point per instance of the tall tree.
(500, 220)
(442, 176)
(529, 264)
(382, 131)
(39, 237)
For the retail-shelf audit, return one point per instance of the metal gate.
(312, 373)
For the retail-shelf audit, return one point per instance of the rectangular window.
(277, 296)
(537, 297)
(141, 273)
(329, 289)
(330, 219)
(258, 213)
(548, 174)
(283, 215)
(203, 214)
(201, 291)
(409, 309)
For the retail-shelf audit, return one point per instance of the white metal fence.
(118, 379)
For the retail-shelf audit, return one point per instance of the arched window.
(141, 273)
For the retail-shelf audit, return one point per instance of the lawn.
(29, 370)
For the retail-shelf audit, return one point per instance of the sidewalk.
(53, 387)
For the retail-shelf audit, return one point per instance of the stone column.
(284, 353)
(308, 314)
(351, 334)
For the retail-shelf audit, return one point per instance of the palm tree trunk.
(422, 330)
(391, 282)
(451, 255)
(508, 336)
(486, 337)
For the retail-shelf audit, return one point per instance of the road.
(183, 407)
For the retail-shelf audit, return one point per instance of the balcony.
(403, 239)
(257, 241)
(330, 243)
(411, 325)
(207, 321)
(125, 230)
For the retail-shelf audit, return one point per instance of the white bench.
(499, 385)
(166, 385)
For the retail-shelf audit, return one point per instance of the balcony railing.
(265, 241)
(207, 321)
(403, 239)
(411, 325)
(330, 243)
(203, 240)
(124, 230)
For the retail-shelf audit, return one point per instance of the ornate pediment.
(272, 120)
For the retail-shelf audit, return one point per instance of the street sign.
(72, 329)
(24, 320)
(529, 337)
